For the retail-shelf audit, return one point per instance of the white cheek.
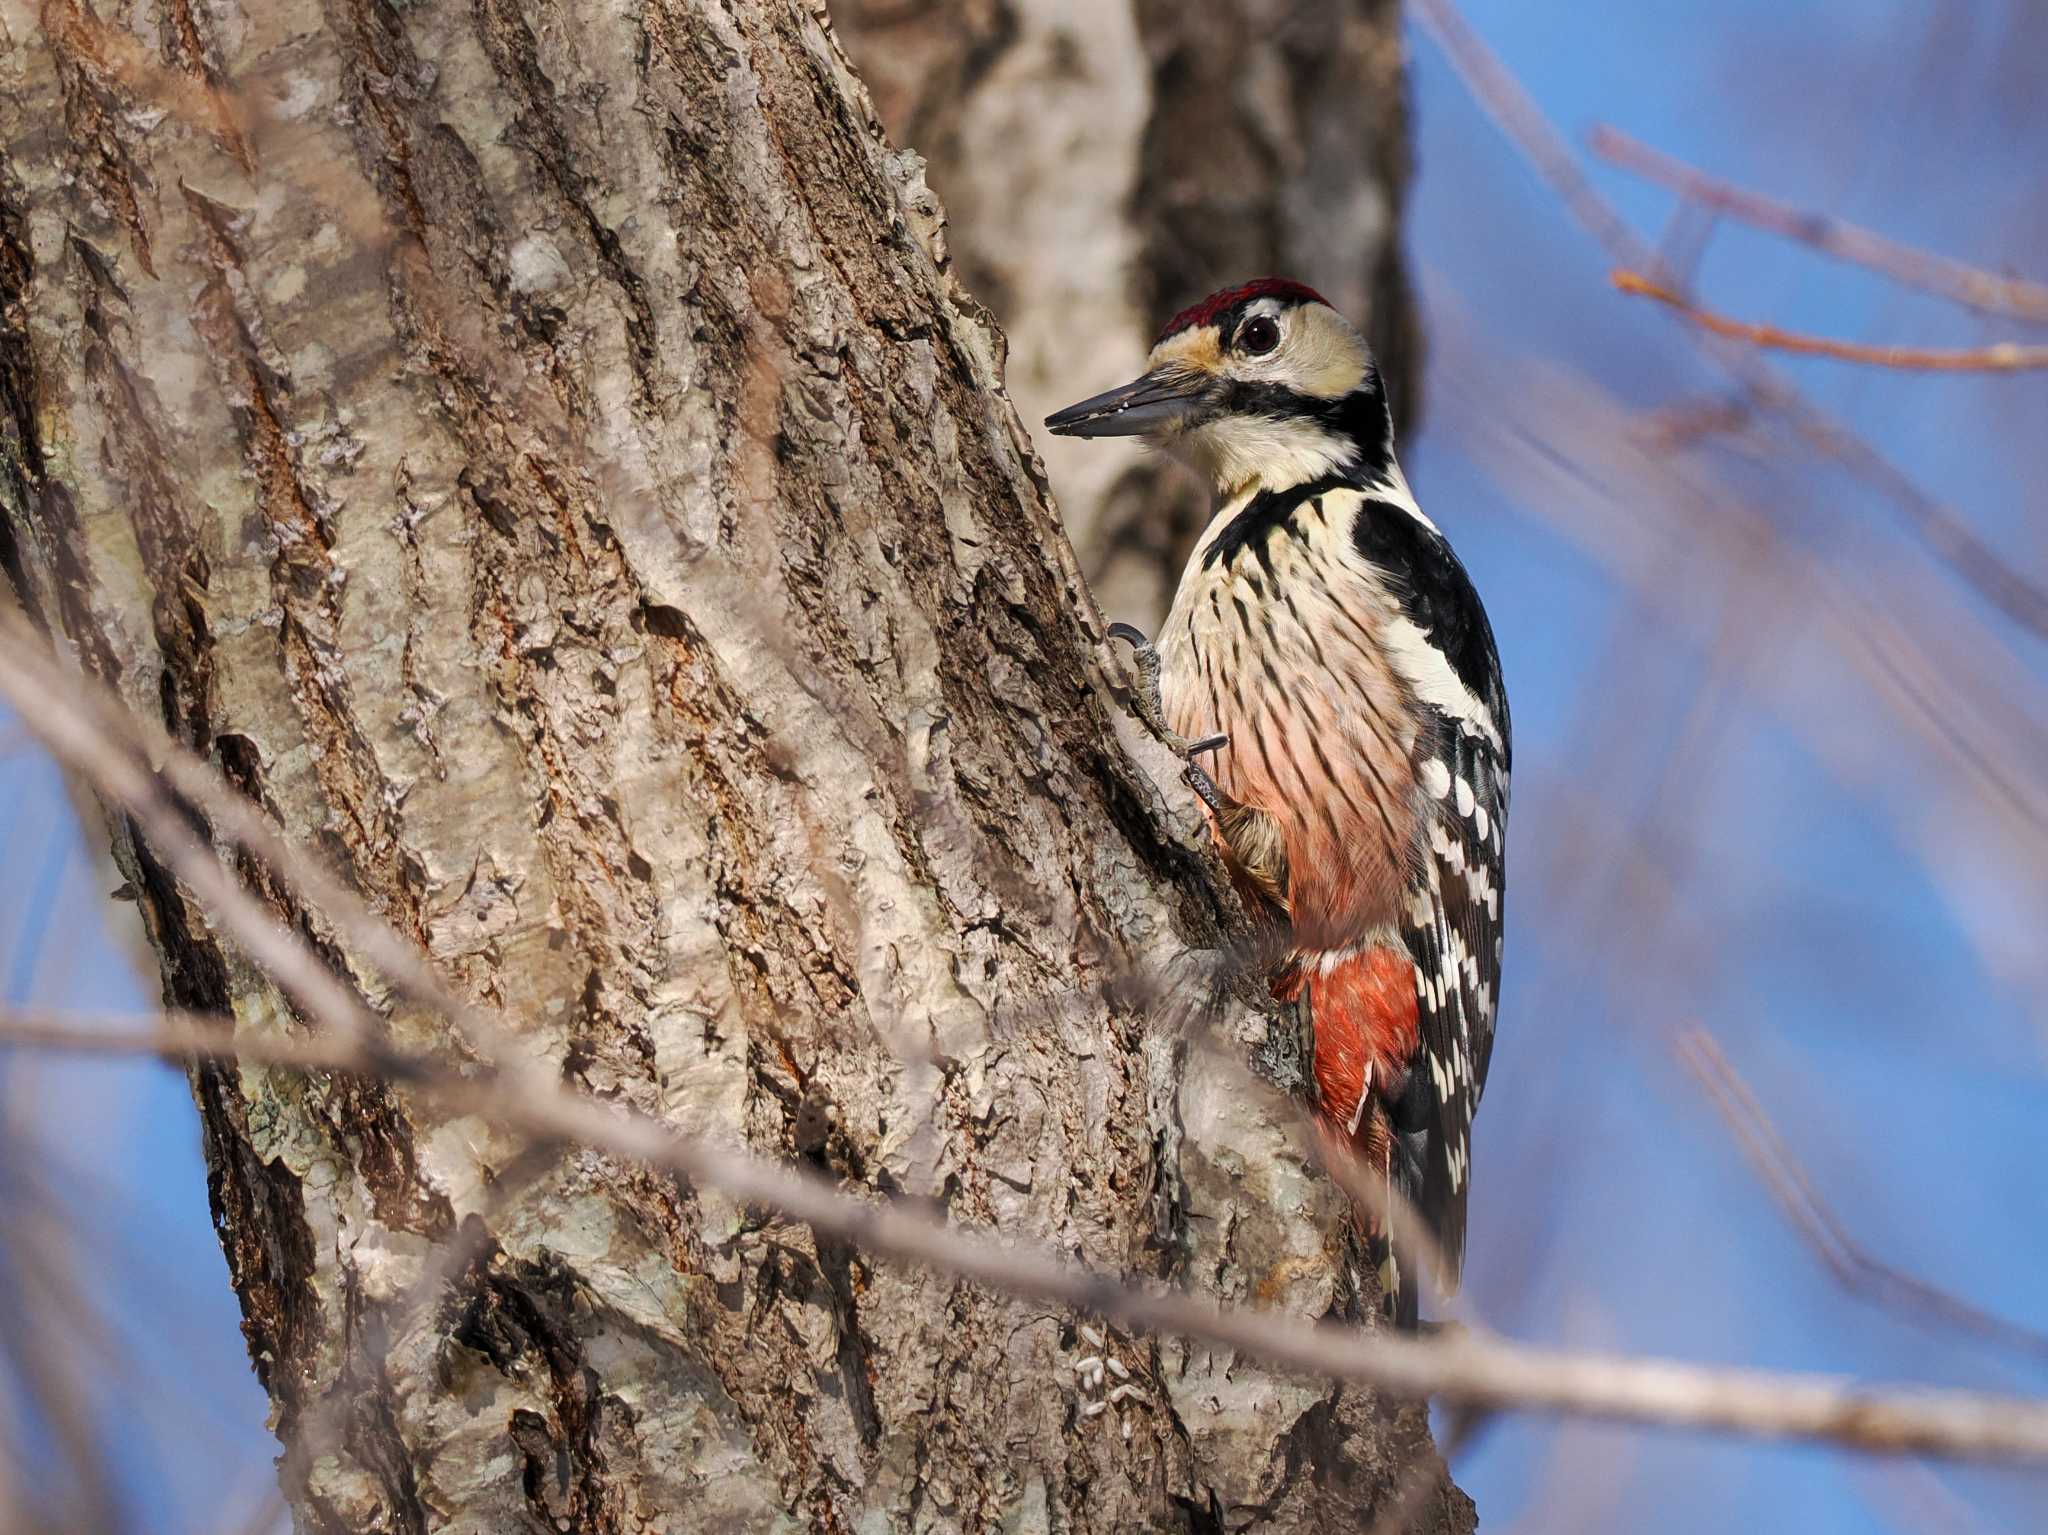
(1237, 449)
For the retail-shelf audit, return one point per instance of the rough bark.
(540, 453)
(1105, 162)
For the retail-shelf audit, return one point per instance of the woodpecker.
(1328, 647)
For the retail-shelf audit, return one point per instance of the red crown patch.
(1217, 303)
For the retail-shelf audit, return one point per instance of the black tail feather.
(1400, 1272)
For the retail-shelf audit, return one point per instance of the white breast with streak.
(1283, 645)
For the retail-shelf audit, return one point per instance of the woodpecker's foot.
(1145, 700)
(1146, 705)
(1203, 785)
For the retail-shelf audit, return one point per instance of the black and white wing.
(1450, 920)
(1452, 926)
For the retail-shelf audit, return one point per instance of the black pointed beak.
(1143, 405)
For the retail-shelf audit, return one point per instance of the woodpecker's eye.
(1260, 335)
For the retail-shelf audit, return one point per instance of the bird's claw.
(1145, 656)
(1206, 790)
(1203, 785)
(1145, 701)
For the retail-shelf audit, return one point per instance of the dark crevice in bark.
(259, 1214)
(21, 450)
(257, 1204)
(540, 123)
(42, 522)
(195, 973)
(1222, 198)
(369, 1432)
(519, 1315)
(178, 567)
(305, 579)
(359, 1112)
(89, 69)
(381, 78)
(844, 1271)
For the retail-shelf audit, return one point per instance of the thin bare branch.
(1691, 421)
(1941, 530)
(268, 1515)
(1940, 527)
(1482, 1373)
(52, 706)
(1501, 96)
(1972, 287)
(1461, 1367)
(1938, 679)
(178, 1036)
(92, 735)
(1999, 357)
(1793, 1188)
(108, 731)
(1909, 1493)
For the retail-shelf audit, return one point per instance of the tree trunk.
(539, 452)
(1105, 162)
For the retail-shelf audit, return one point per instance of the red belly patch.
(1363, 1010)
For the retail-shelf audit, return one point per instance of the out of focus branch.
(1909, 1493)
(1480, 1373)
(1944, 533)
(1501, 97)
(1970, 286)
(89, 729)
(1941, 679)
(2000, 357)
(129, 763)
(1485, 1374)
(1793, 1188)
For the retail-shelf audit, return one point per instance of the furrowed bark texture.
(1106, 162)
(539, 452)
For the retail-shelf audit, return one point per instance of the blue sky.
(118, 1142)
(1864, 950)
(1842, 969)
